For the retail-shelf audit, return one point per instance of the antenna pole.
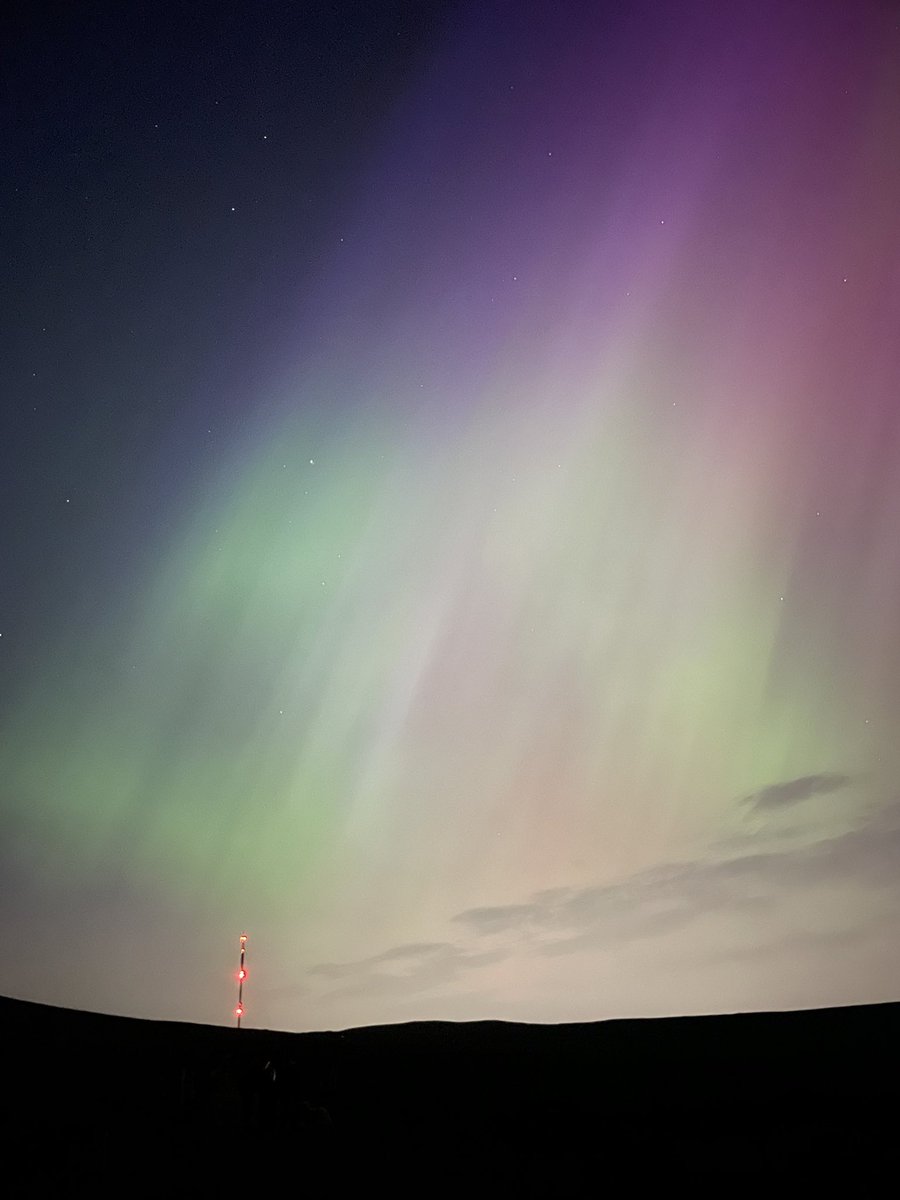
(242, 975)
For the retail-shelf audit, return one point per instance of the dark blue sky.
(170, 176)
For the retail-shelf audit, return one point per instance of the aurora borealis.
(465, 556)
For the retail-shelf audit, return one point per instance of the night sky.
(450, 479)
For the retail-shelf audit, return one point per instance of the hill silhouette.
(124, 1106)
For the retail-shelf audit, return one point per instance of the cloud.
(412, 967)
(792, 791)
(416, 951)
(501, 917)
(757, 882)
(410, 958)
(673, 895)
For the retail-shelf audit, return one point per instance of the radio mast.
(241, 976)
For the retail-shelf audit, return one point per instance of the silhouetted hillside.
(126, 1106)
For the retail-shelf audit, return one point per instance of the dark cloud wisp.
(792, 791)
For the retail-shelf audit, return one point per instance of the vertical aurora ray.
(578, 527)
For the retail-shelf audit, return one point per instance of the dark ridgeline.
(124, 1107)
